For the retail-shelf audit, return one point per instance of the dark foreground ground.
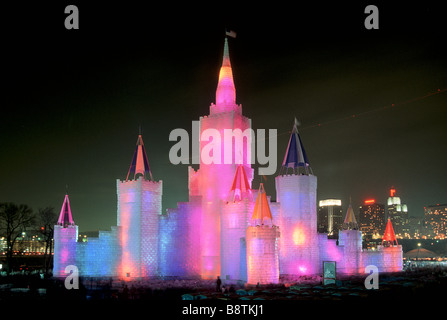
(400, 295)
(420, 284)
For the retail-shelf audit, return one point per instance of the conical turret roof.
(296, 156)
(350, 223)
(65, 217)
(240, 186)
(389, 236)
(261, 212)
(139, 164)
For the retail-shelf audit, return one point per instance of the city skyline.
(371, 105)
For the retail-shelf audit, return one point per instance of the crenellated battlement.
(139, 180)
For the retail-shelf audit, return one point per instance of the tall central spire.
(226, 92)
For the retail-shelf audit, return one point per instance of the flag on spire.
(230, 33)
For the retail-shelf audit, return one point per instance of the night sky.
(73, 100)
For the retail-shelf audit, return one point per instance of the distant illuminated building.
(397, 212)
(28, 244)
(330, 216)
(435, 221)
(372, 219)
(416, 227)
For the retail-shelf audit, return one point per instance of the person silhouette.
(218, 283)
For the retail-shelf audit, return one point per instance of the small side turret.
(350, 239)
(262, 244)
(65, 239)
(391, 251)
(235, 216)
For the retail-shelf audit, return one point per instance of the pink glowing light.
(332, 250)
(302, 269)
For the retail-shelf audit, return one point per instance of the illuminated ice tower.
(139, 209)
(262, 244)
(217, 169)
(65, 238)
(296, 194)
(235, 218)
(391, 250)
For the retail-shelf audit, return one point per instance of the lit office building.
(435, 221)
(330, 216)
(397, 212)
(372, 219)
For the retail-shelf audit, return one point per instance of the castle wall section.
(386, 259)
(101, 256)
(234, 223)
(329, 251)
(350, 241)
(180, 239)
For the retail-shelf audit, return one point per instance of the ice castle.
(226, 228)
